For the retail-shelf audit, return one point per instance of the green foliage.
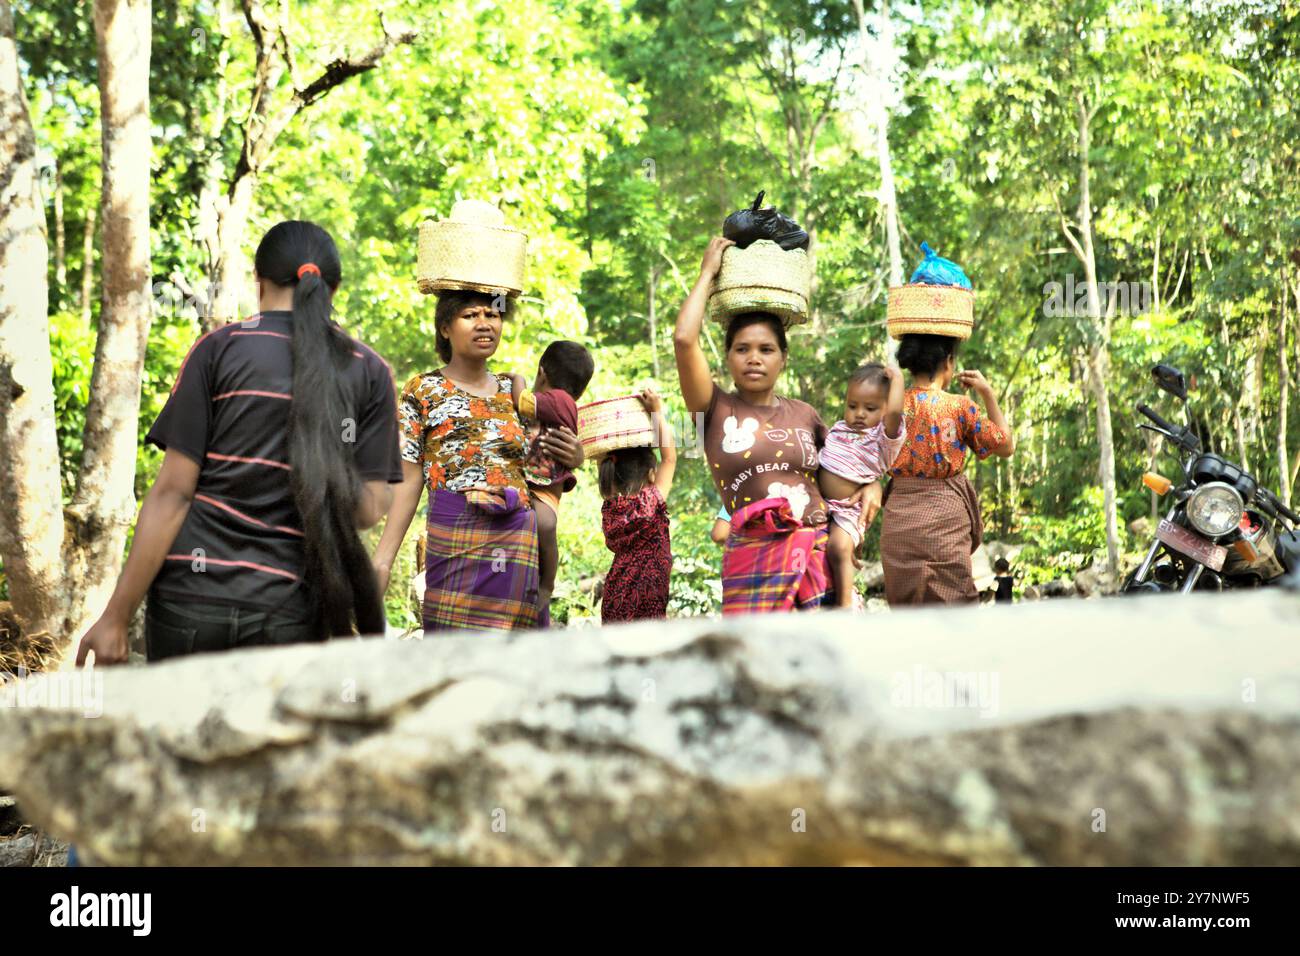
(620, 134)
(1058, 547)
(695, 587)
(72, 347)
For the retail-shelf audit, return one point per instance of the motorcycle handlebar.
(1276, 503)
(1151, 414)
(1181, 436)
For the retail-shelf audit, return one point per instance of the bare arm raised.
(692, 366)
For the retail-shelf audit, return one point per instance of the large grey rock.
(19, 850)
(1151, 731)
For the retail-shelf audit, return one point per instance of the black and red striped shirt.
(241, 542)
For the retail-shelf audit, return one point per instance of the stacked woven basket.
(615, 423)
(762, 277)
(471, 250)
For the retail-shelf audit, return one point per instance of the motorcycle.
(1223, 529)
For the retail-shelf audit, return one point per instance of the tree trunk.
(890, 203)
(88, 264)
(1013, 479)
(999, 486)
(211, 195)
(1042, 449)
(1153, 456)
(228, 273)
(1099, 350)
(888, 196)
(654, 325)
(103, 504)
(1295, 339)
(223, 218)
(31, 522)
(1099, 367)
(60, 256)
(1283, 387)
(1247, 421)
(1239, 430)
(1155, 271)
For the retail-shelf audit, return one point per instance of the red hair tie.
(308, 267)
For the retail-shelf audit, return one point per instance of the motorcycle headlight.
(1214, 509)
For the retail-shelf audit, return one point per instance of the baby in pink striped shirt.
(859, 449)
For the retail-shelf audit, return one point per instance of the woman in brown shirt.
(762, 449)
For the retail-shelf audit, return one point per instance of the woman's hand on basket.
(713, 257)
(563, 446)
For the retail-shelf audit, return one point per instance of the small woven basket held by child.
(621, 434)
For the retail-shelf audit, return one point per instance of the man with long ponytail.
(280, 444)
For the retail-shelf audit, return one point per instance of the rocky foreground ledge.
(1151, 731)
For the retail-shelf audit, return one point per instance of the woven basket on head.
(613, 424)
(930, 310)
(471, 250)
(762, 278)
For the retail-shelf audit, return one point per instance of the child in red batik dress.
(634, 518)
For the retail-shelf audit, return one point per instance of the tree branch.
(344, 68)
(758, 135)
(1065, 227)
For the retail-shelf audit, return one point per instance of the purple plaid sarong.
(480, 562)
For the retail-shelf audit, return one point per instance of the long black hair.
(925, 354)
(342, 590)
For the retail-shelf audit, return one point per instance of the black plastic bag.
(745, 226)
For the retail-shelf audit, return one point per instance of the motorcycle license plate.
(1191, 544)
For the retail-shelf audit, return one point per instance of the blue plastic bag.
(935, 270)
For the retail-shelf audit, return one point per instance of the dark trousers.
(173, 628)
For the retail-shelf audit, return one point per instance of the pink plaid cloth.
(861, 456)
(773, 561)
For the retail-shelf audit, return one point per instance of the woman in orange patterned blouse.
(932, 521)
(462, 439)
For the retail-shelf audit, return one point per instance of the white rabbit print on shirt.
(739, 437)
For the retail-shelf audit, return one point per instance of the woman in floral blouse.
(462, 439)
(932, 520)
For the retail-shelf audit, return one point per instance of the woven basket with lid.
(923, 309)
(762, 277)
(471, 250)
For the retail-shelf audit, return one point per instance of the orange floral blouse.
(461, 440)
(940, 428)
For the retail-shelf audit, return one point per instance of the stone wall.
(1150, 731)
